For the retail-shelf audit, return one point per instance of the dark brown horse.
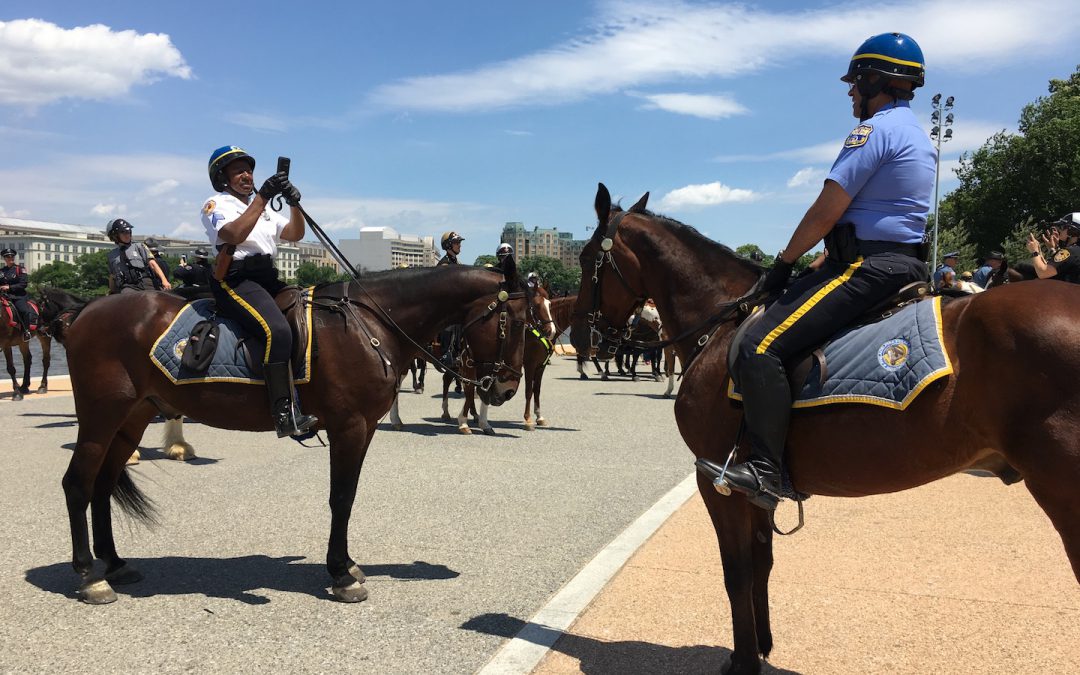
(999, 342)
(361, 355)
(12, 337)
(538, 354)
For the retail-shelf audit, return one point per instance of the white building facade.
(382, 248)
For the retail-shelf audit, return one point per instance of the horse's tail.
(133, 502)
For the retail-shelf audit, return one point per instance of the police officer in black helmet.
(1062, 263)
(132, 267)
(451, 243)
(13, 280)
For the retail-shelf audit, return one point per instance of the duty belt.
(873, 247)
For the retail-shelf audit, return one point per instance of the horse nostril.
(509, 394)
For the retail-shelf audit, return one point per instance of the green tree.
(93, 271)
(1029, 176)
(310, 274)
(58, 274)
(485, 259)
(558, 277)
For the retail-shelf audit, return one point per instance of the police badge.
(858, 136)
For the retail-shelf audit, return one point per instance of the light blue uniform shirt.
(887, 168)
(982, 275)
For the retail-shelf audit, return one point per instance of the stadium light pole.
(942, 119)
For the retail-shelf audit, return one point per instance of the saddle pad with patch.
(885, 363)
(229, 363)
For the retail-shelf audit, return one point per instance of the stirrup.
(759, 495)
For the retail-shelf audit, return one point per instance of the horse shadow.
(604, 656)
(658, 397)
(70, 421)
(238, 579)
(155, 454)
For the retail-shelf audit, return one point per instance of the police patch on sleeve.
(208, 207)
(1061, 256)
(858, 136)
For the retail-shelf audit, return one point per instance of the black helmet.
(221, 158)
(449, 238)
(8, 252)
(202, 253)
(115, 227)
(152, 244)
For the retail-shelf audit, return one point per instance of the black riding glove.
(290, 193)
(777, 278)
(273, 185)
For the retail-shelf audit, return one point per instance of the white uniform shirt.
(223, 208)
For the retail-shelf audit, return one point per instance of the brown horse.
(12, 337)
(361, 354)
(999, 342)
(538, 355)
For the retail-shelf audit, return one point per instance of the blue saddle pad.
(885, 363)
(229, 363)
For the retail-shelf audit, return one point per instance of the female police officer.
(880, 184)
(246, 232)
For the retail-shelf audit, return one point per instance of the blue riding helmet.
(893, 55)
(222, 157)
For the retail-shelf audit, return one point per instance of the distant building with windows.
(40, 243)
(383, 248)
(548, 242)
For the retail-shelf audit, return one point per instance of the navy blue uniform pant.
(249, 298)
(818, 305)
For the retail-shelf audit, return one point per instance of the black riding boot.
(287, 416)
(767, 409)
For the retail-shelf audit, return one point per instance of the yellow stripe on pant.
(806, 306)
(255, 313)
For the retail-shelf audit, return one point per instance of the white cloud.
(708, 194)
(161, 187)
(188, 230)
(518, 132)
(407, 216)
(21, 213)
(711, 107)
(816, 154)
(635, 43)
(108, 210)
(258, 121)
(806, 176)
(41, 62)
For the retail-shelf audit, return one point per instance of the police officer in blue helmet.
(872, 214)
(245, 232)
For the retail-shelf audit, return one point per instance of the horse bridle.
(499, 303)
(610, 334)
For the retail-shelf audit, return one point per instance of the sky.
(432, 116)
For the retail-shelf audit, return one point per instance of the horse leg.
(529, 426)
(733, 521)
(446, 379)
(96, 433)
(762, 550)
(669, 370)
(172, 441)
(28, 360)
(632, 360)
(467, 404)
(46, 359)
(581, 369)
(126, 441)
(421, 364)
(596, 364)
(348, 447)
(540, 421)
(395, 416)
(17, 394)
(483, 420)
(606, 375)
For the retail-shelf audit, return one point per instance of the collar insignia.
(1062, 255)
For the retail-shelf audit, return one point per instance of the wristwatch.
(1036, 254)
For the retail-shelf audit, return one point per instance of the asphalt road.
(462, 537)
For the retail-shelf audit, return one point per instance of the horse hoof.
(604, 377)
(97, 592)
(418, 390)
(24, 390)
(583, 376)
(43, 390)
(134, 459)
(397, 426)
(529, 426)
(446, 417)
(16, 396)
(351, 592)
(356, 573)
(464, 429)
(488, 431)
(124, 575)
(541, 422)
(181, 452)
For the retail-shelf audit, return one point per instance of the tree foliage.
(1032, 176)
(557, 276)
(310, 274)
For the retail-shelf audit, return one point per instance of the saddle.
(800, 367)
(9, 311)
(202, 341)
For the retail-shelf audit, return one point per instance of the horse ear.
(639, 207)
(602, 204)
(509, 270)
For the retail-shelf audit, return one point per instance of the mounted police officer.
(197, 274)
(872, 212)
(451, 243)
(945, 274)
(246, 232)
(502, 253)
(155, 250)
(13, 281)
(132, 267)
(991, 264)
(1064, 262)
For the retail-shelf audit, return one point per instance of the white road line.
(525, 650)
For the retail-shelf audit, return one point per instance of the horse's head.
(494, 330)
(610, 277)
(539, 303)
(58, 309)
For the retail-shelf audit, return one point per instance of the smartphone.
(283, 165)
(183, 260)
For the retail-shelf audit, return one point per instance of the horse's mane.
(407, 282)
(562, 311)
(695, 240)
